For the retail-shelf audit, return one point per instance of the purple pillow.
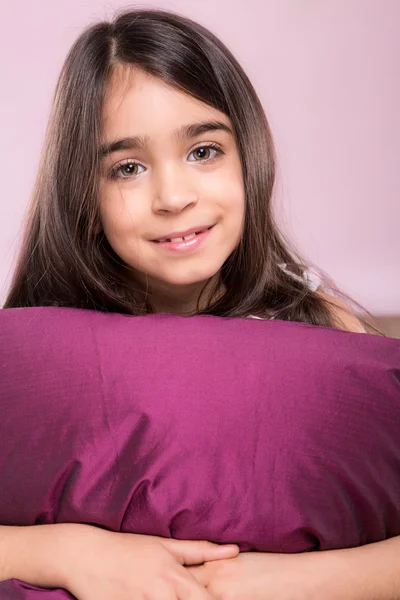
(281, 437)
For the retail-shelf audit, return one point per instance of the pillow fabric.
(281, 437)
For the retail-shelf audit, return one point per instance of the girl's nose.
(174, 192)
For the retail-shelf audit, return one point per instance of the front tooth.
(176, 239)
(189, 237)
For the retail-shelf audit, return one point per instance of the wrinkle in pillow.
(281, 437)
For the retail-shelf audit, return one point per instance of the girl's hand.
(264, 576)
(104, 565)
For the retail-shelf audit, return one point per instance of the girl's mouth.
(184, 243)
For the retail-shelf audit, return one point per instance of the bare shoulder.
(344, 318)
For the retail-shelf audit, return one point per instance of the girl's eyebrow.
(186, 132)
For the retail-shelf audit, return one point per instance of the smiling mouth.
(186, 238)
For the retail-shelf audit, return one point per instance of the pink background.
(327, 72)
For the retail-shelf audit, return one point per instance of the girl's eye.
(126, 170)
(205, 153)
(131, 169)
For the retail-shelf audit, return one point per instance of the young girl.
(154, 195)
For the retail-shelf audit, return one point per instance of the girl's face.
(171, 193)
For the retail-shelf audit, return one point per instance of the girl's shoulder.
(310, 276)
(342, 314)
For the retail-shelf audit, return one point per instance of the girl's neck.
(183, 300)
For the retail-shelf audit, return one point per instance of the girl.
(154, 195)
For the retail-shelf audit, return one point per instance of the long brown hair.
(64, 261)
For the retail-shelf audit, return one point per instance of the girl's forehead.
(131, 90)
(135, 98)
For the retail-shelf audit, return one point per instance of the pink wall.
(327, 72)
